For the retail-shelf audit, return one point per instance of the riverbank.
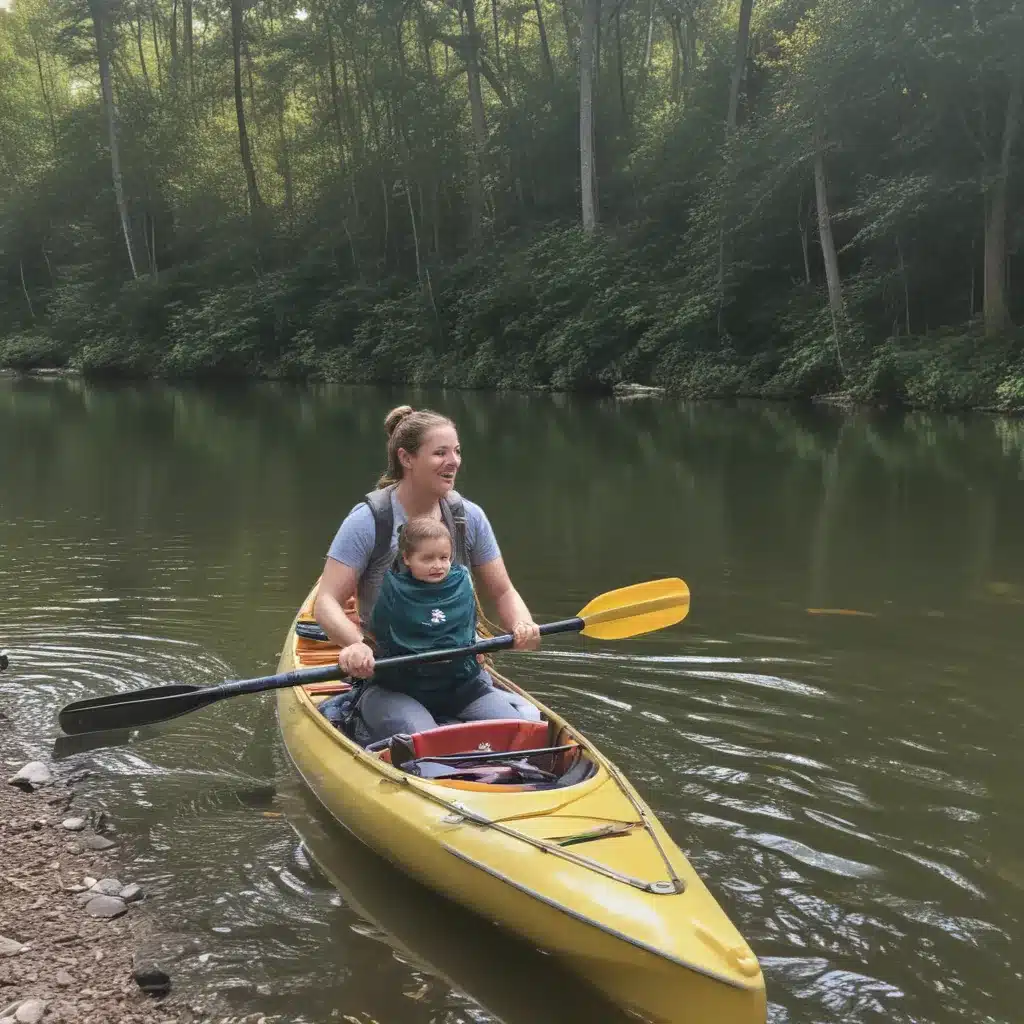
(957, 371)
(68, 916)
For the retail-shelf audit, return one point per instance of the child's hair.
(418, 530)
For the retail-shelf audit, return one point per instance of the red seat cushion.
(468, 737)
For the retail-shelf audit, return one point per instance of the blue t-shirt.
(353, 546)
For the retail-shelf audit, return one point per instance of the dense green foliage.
(389, 190)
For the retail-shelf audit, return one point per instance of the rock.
(31, 777)
(152, 980)
(30, 1012)
(73, 824)
(74, 848)
(64, 979)
(88, 881)
(82, 773)
(97, 843)
(107, 887)
(629, 392)
(131, 893)
(105, 907)
(10, 947)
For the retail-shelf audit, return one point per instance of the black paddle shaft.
(307, 676)
(162, 703)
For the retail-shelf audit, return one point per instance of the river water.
(833, 736)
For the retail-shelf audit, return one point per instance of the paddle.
(641, 608)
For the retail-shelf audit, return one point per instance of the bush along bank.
(561, 311)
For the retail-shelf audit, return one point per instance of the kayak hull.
(668, 956)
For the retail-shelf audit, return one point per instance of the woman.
(423, 459)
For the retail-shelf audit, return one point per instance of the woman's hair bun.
(395, 417)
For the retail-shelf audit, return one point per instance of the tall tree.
(98, 10)
(253, 192)
(588, 170)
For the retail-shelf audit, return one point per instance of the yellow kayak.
(576, 863)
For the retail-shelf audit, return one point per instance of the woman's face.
(433, 467)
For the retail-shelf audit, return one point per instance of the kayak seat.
(498, 734)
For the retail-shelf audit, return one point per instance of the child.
(425, 604)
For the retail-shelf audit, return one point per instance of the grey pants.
(385, 712)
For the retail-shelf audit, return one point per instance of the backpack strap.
(384, 521)
(453, 513)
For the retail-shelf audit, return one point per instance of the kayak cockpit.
(507, 755)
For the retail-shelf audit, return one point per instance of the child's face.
(430, 561)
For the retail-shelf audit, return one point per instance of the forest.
(762, 198)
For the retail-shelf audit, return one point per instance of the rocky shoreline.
(66, 919)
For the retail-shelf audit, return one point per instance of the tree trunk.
(24, 288)
(156, 46)
(286, 164)
(428, 60)
(46, 95)
(250, 79)
(591, 16)
(678, 53)
(997, 314)
(186, 26)
(497, 35)
(828, 246)
(415, 233)
(108, 103)
(255, 202)
(645, 68)
(476, 104)
(174, 38)
(622, 70)
(400, 45)
(801, 222)
(333, 68)
(545, 50)
(387, 218)
(690, 51)
(142, 53)
(568, 27)
(742, 44)
(906, 284)
(353, 112)
(435, 218)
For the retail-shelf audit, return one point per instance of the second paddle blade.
(641, 608)
(128, 710)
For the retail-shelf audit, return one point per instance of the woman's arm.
(337, 587)
(493, 579)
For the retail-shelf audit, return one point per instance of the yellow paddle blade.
(641, 608)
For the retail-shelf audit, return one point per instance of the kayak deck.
(581, 866)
